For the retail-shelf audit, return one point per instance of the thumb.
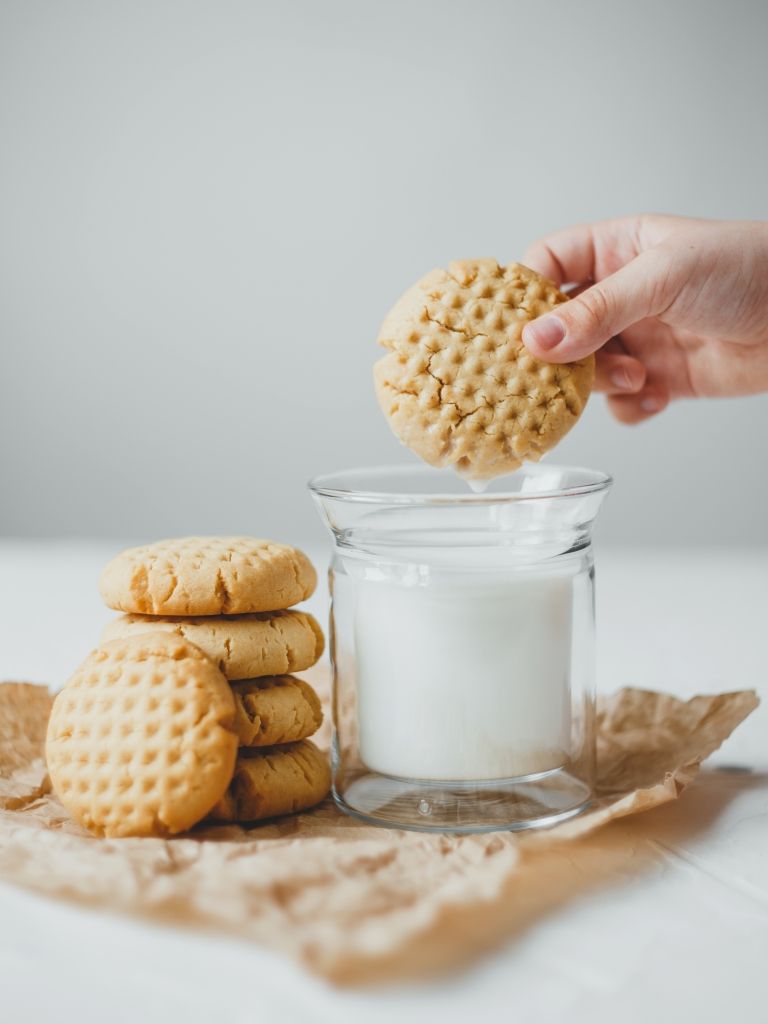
(641, 288)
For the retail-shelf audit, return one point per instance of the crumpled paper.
(351, 902)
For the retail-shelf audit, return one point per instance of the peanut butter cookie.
(458, 386)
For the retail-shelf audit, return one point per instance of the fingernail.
(546, 332)
(621, 379)
(651, 404)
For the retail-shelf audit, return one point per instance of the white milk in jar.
(463, 675)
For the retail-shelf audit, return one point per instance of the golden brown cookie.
(243, 646)
(208, 576)
(277, 709)
(141, 739)
(272, 781)
(459, 387)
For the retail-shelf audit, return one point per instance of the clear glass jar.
(462, 643)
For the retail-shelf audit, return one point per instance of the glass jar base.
(534, 801)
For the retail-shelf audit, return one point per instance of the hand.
(673, 307)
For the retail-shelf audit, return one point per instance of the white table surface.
(686, 941)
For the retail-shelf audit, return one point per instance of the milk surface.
(464, 675)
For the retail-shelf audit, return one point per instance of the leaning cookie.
(141, 740)
(279, 709)
(243, 646)
(275, 781)
(193, 576)
(458, 386)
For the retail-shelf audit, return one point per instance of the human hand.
(674, 308)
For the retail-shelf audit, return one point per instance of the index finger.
(586, 252)
(567, 256)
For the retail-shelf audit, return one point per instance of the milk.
(463, 675)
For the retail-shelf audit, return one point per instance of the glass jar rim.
(331, 485)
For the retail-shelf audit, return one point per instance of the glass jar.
(462, 644)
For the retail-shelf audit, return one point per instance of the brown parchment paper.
(352, 902)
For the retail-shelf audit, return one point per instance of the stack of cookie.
(189, 706)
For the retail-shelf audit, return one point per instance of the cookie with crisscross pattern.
(458, 386)
(141, 740)
(208, 576)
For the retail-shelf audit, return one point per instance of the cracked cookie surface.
(193, 576)
(243, 646)
(277, 709)
(141, 740)
(458, 386)
(273, 781)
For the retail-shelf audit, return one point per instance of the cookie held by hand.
(458, 386)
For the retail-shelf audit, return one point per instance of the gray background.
(206, 209)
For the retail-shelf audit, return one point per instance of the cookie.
(275, 781)
(458, 386)
(281, 709)
(243, 646)
(207, 576)
(141, 740)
